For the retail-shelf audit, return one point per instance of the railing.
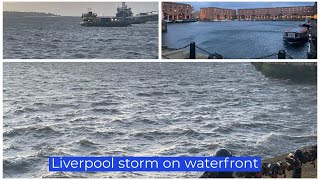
(281, 54)
(312, 47)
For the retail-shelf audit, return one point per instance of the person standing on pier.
(297, 166)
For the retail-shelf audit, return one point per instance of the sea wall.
(302, 71)
(168, 53)
(308, 169)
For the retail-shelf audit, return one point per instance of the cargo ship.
(91, 19)
(124, 11)
(124, 17)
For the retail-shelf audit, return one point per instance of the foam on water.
(148, 109)
(64, 38)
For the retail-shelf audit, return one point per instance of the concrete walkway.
(180, 54)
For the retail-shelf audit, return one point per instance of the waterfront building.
(277, 13)
(195, 15)
(176, 11)
(215, 13)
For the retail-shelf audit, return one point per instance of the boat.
(296, 35)
(307, 23)
(178, 21)
(124, 17)
(168, 21)
(91, 19)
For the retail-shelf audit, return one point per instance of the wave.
(62, 175)
(146, 121)
(278, 138)
(44, 130)
(20, 165)
(198, 92)
(78, 56)
(104, 103)
(102, 110)
(224, 129)
(158, 93)
(86, 143)
(210, 125)
(177, 132)
(183, 83)
(109, 134)
(24, 110)
(56, 40)
(83, 119)
(150, 94)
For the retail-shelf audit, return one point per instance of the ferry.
(307, 23)
(296, 35)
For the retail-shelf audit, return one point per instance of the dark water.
(235, 39)
(64, 38)
(148, 109)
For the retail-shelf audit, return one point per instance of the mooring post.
(281, 54)
(192, 50)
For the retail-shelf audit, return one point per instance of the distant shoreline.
(27, 14)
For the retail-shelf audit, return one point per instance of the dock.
(168, 53)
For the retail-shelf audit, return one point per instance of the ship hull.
(104, 25)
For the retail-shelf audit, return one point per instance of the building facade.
(195, 15)
(214, 13)
(176, 11)
(298, 12)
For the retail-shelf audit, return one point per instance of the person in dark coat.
(297, 166)
(220, 153)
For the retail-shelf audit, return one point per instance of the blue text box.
(214, 164)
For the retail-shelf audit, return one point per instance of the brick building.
(214, 13)
(176, 11)
(298, 12)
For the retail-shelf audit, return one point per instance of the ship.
(123, 11)
(140, 18)
(297, 35)
(124, 17)
(92, 19)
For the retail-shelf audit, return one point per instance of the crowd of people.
(293, 162)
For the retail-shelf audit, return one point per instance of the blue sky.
(242, 5)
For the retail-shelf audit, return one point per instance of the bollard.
(281, 54)
(192, 50)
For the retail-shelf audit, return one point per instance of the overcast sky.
(76, 8)
(242, 5)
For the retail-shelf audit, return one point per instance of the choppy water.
(64, 38)
(235, 39)
(151, 109)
